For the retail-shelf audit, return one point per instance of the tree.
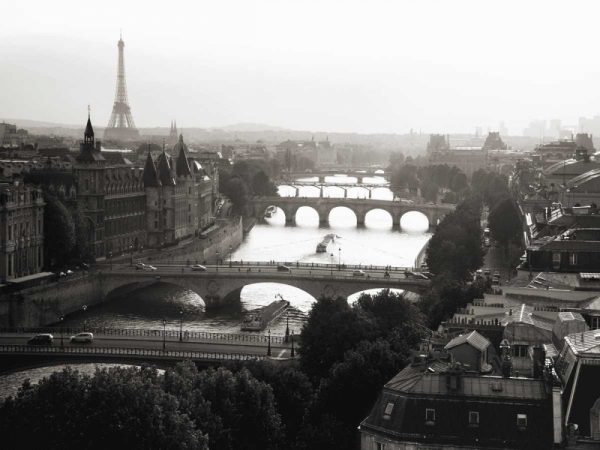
(505, 221)
(262, 184)
(332, 328)
(237, 190)
(115, 408)
(59, 230)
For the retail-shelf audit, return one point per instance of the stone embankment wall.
(45, 304)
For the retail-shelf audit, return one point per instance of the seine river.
(375, 243)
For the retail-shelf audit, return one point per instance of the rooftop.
(473, 338)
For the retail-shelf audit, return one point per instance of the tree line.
(347, 353)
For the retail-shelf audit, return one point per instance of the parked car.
(41, 339)
(139, 266)
(199, 268)
(149, 267)
(358, 273)
(282, 268)
(487, 271)
(83, 338)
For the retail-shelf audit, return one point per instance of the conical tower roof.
(150, 174)
(182, 166)
(89, 130)
(164, 170)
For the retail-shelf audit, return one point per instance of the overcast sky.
(370, 66)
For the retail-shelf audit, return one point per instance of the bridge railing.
(186, 336)
(125, 352)
(291, 264)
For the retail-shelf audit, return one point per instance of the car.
(283, 268)
(139, 266)
(487, 271)
(496, 274)
(41, 339)
(358, 273)
(199, 268)
(149, 267)
(202, 236)
(70, 272)
(83, 338)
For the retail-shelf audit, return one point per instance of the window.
(429, 416)
(520, 351)
(556, 259)
(387, 413)
(521, 421)
(473, 418)
(573, 259)
(379, 446)
(595, 322)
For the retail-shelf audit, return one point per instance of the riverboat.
(322, 246)
(258, 320)
(270, 211)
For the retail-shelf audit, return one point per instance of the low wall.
(229, 234)
(47, 303)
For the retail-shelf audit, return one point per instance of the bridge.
(322, 174)
(162, 347)
(360, 207)
(344, 186)
(222, 284)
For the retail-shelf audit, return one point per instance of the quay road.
(150, 343)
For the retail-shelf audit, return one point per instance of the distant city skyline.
(321, 66)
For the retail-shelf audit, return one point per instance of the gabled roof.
(182, 167)
(164, 170)
(150, 174)
(473, 338)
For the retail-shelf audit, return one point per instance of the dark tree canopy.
(505, 221)
(59, 228)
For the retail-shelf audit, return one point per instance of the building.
(179, 197)
(11, 135)
(467, 159)
(435, 404)
(555, 151)
(21, 230)
(578, 367)
(493, 141)
(472, 349)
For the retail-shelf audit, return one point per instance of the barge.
(322, 246)
(258, 319)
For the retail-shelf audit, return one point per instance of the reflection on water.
(375, 244)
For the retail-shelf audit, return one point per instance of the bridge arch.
(379, 218)
(415, 220)
(339, 212)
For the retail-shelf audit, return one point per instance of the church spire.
(88, 135)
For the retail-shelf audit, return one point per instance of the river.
(375, 243)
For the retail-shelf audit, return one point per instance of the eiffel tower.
(121, 126)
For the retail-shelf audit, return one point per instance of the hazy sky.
(370, 66)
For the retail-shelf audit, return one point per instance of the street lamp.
(339, 258)
(84, 308)
(217, 255)
(287, 327)
(164, 334)
(180, 325)
(269, 345)
(62, 343)
(230, 251)
(110, 257)
(131, 255)
(293, 353)
(331, 265)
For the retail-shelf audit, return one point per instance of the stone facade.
(21, 230)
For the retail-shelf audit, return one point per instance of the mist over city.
(299, 225)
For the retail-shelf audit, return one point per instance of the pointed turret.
(182, 165)
(150, 174)
(88, 135)
(164, 170)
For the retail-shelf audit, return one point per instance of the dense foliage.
(139, 408)
(245, 179)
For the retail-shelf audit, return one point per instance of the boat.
(270, 211)
(258, 319)
(322, 246)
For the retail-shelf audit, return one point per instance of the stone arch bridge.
(360, 207)
(224, 287)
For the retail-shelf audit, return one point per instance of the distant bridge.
(344, 186)
(322, 174)
(223, 285)
(360, 207)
